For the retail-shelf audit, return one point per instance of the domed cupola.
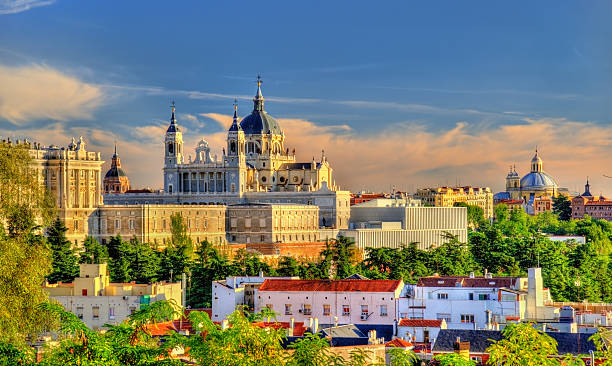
(259, 122)
(536, 163)
(538, 179)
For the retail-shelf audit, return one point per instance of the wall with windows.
(353, 307)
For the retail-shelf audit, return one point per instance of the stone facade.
(152, 223)
(272, 223)
(73, 177)
(448, 196)
(597, 207)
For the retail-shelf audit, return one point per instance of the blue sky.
(397, 93)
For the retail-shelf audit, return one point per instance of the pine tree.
(64, 259)
(93, 252)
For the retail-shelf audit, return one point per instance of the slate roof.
(115, 172)
(416, 323)
(330, 285)
(260, 122)
(343, 331)
(574, 343)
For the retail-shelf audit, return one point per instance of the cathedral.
(254, 160)
(535, 184)
(255, 167)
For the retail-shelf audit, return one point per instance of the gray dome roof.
(538, 180)
(260, 122)
(115, 172)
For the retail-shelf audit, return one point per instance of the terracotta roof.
(160, 329)
(495, 282)
(432, 323)
(298, 327)
(398, 342)
(330, 285)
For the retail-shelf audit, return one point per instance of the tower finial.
(173, 108)
(235, 109)
(258, 101)
(115, 148)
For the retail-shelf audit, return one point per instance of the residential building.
(597, 207)
(473, 344)
(479, 302)
(361, 197)
(510, 203)
(396, 226)
(358, 302)
(448, 196)
(234, 292)
(272, 223)
(97, 301)
(420, 330)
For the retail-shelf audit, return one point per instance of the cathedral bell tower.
(173, 154)
(235, 157)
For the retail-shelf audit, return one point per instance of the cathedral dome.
(538, 180)
(260, 122)
(115, 172)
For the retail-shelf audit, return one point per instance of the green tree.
(562, 207)
(64, 259)
(25, 259)
(453, 359)
(475, 214)
(209, 265)
(177, 257)
(344, 254)
(523, 345)
(93, 252)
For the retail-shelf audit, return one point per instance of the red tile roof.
(160, 329)
(495, 282)
(398, 342)
(432, 323)
(330, 285)
(298, 327)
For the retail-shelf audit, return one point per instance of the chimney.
(261, 274)
(224, 324)
(472, 275)
(291, 326)
(310, 323)
(462, 349)
(486, 272)
(316, 325)
(335, 321)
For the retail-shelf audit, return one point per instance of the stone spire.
(235, 125)
(173, 125)
(587, 189)
(258, 101)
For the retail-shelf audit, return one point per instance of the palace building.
(256, 168)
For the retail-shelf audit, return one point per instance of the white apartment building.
(478, 302)
(236, 291)
(373, 302)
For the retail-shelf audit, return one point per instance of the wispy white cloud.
(41, 92)
(18, 6)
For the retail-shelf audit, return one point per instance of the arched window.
(233, 146)
(171, 148)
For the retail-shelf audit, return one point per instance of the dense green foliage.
(65, 261)
(24, 253)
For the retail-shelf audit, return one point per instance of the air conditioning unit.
(364, 316)
(125, 297)
(300, 310)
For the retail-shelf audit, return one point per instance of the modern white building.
(373, 302)
(236, 291)
(479, 302)
(381, 226)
